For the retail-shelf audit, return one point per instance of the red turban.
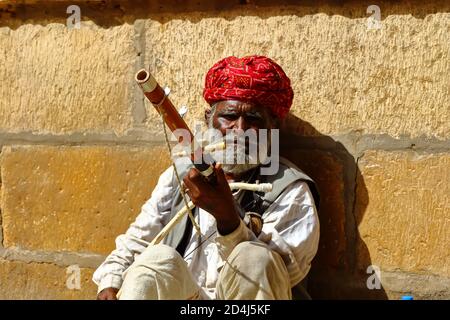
(255, 79)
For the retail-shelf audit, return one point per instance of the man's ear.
(207, 114)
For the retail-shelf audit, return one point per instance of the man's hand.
(217, 199)
(108, 294)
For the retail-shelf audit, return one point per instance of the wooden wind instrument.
(160, 100)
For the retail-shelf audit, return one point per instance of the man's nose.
(240, 124)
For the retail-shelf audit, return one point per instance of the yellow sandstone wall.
(81, 150)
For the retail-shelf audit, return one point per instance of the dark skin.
(218, 199)
(108, 294)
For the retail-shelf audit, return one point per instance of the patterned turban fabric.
(255, 79)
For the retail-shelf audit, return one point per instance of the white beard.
(233, 158)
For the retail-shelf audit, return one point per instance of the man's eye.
(229, 117)
(254, 118)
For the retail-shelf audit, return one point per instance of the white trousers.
(252, 271)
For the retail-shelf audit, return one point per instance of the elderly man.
(228, 259)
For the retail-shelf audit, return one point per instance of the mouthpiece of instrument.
(146, 80)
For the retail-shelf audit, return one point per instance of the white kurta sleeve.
(153, 216)
(291, 228)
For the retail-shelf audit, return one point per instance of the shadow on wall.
(339, 269)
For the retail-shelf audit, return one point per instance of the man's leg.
(253, 271)
(159, 273)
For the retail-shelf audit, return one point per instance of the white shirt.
(291, 228)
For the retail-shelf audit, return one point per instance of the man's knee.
(157, 259)
(249, 255)
(159, 272)
(150, 261)
(253, 271)
(157, 254)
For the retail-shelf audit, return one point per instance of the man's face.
(230, 117)
(238, 115)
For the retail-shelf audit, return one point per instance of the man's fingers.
(198, 179)
(196, 183)
(193, 173)
(191, 187)
(107, 296)
(188, 184)
(220, 175)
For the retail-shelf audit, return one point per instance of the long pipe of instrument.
(156, 95)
